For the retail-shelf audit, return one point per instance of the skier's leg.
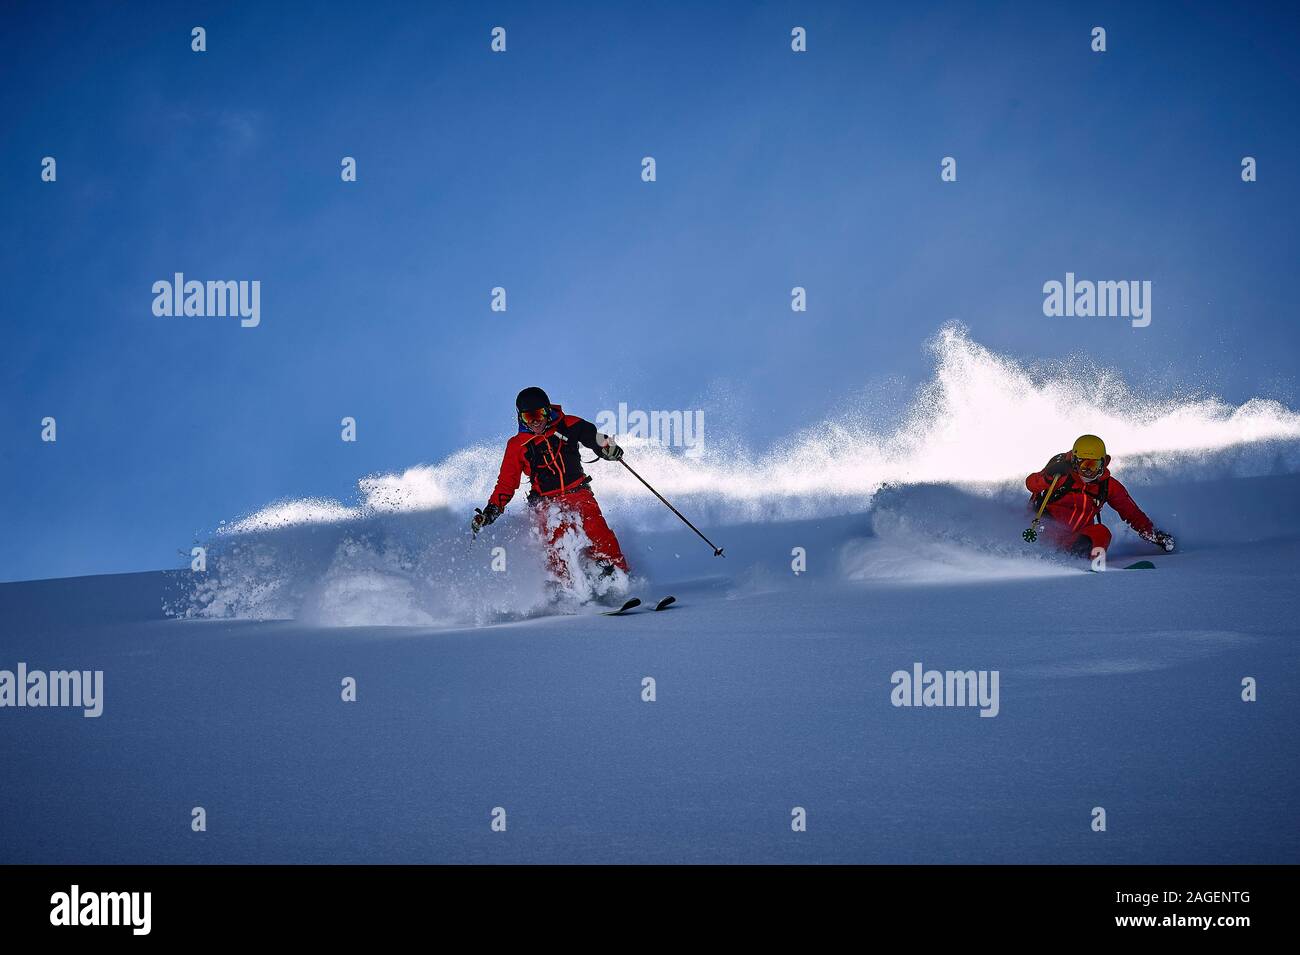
(1059, 535)
(604, 545)
(1079, 542)
(1087, 538)
(1098, 535)
(552, 522)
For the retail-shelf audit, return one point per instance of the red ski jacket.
(550, 459)
(1075, 503)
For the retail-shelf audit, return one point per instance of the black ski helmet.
(530, 399)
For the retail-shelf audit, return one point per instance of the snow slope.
(773, 691)
(1120, 690)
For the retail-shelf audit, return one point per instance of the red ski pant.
(555, 516)
(1082, 540)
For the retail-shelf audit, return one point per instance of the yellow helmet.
(1089, 447)
(1090, 458)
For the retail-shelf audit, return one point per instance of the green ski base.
(1140, 565)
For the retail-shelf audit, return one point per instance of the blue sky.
(522, 170)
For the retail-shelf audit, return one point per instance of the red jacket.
(550, 459)
(1075, 503)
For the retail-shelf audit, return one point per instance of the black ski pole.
(717, 551)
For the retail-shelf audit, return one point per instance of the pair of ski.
(663, 604)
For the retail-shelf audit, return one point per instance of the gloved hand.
(1162, 540)
(484, 517)
(1059, 466)
(608, 449)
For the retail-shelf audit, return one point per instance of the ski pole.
(717, 551)
(1031, 532)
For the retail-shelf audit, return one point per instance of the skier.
(546, 449)
(1083, 486)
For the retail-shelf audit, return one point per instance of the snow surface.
(1120, 690)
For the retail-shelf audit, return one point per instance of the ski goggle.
(536, 416)
(1090, 468)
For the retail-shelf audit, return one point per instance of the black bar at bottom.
(209, 903)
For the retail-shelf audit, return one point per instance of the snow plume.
(401, 553)
(981, 418)
(395, 569)
(924, 534)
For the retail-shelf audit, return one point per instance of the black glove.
(1059, 466)
(608, 449)
(484, 517)
(1162, 540)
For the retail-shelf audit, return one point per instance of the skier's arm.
(1127, 508)
(1037, 483)
(1040, 481)
(512, 468)
(587, 434)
